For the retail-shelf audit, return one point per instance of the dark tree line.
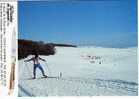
(29, 47)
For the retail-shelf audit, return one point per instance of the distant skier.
(36, 64)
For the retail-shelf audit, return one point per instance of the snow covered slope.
(85, 71)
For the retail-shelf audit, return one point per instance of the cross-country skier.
(36, 63)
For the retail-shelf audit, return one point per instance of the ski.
(57, 77)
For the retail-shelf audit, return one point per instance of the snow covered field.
(86, 71)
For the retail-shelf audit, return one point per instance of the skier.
(37, 65)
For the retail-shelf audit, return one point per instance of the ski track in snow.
(77, 87)
(110, 78)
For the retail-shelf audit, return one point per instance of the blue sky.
(107, 23)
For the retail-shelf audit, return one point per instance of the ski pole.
(28, 69)
(60, 75)
(48, 69)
